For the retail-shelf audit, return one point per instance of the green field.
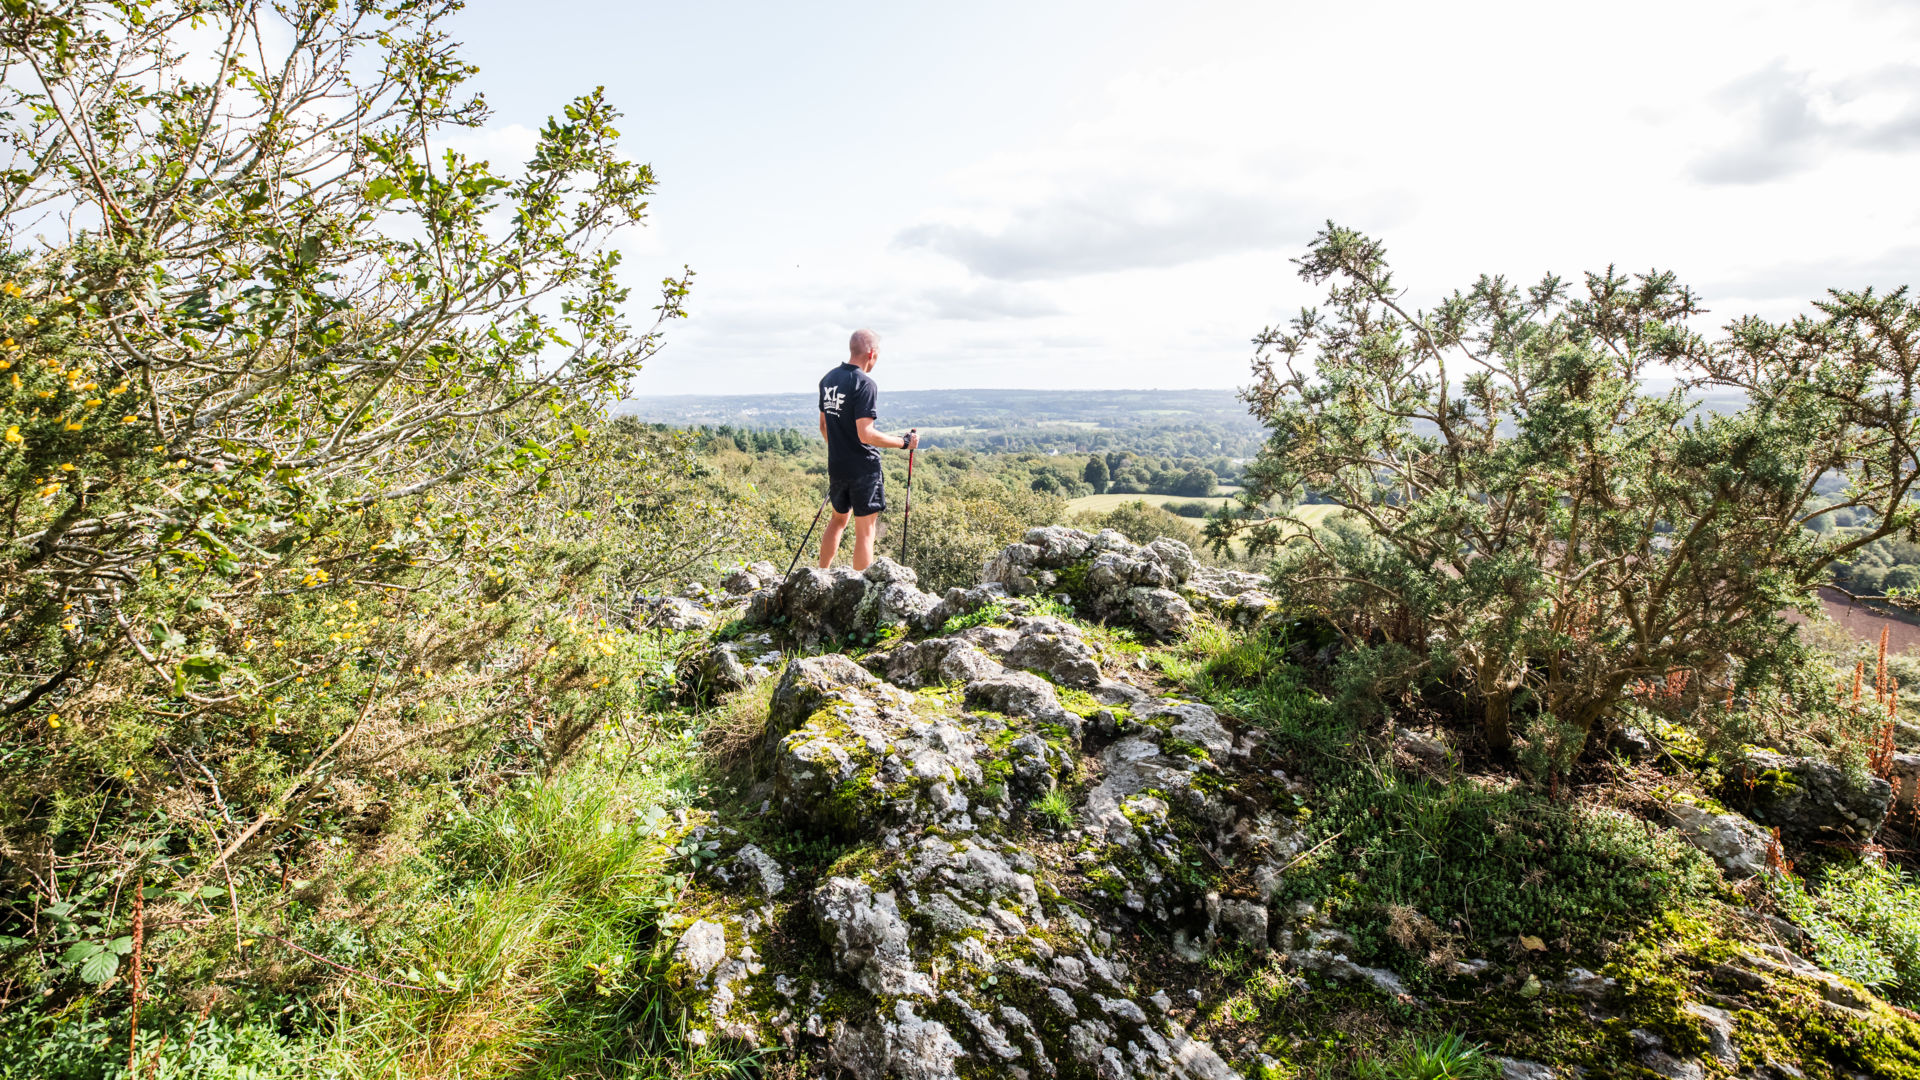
(1312, 515)
(1103, 503)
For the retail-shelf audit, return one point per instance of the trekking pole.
(907, 513)
(809, 536)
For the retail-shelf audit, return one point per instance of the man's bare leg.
(830, 540)
(863, 530)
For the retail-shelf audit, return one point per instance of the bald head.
(864, 346)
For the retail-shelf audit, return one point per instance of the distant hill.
(1199, 422)
(959, 408)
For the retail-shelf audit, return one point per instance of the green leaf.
(99, 967)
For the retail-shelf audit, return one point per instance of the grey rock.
(936, 661)
(762, 869)
(1017, 693)
(1651, 1052)
(1809, 800)
(1336, 966)
(1718, 1028)
(1056, 545)
(673, 613)
(702, 947)
(1904, 776)
(904, 1046)
(1516, 1069)
(868, 939)
(1160, 611)
(810, 683)
(1176, 556)
(1738, 845)
(742, 580)
(1197, 724)
(1055, 648)
(1428, 749)
(1585, 984)
(1246, 922)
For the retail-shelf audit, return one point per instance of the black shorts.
(862, 493)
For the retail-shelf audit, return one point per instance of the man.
(855, 484)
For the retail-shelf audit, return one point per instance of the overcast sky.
(1107, 194)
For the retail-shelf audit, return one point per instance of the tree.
(1195, 483)
(287, 387)
(1096, 474)
(1528, 523)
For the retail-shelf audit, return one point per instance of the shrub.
(1865, 923)
(1538, 526)
(955, 533)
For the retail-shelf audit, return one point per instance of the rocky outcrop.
(819, 607)
(1809, 801)
(946, 949)
(1106, 575)
(1738, 845)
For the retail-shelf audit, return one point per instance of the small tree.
(1196, 483)
(1526, 520)
(1096, 474)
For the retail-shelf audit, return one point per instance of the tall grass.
(530, 943)
(539, 961)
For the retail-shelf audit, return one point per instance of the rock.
(822, 606)
(1160, 611)
(966, 601)
(1016, 693)
(936, 661)
(1738, 845)
(1585, 984)
(1196, 724)
(1651, 1052)
(904, 1047)
(742, 580)
(868, 939)
(1107, 577)
(811, 683)
(1809, 800)
(1337, 966)
(1055, 648)
(1246, 922)
(762, 869)
(1429, 750)
(1056, 545)
(1032, 761)
(1718, 1028)
(673, 613)
(850, 754)
(1904, 776)
(1516, 1069)
(702, 947)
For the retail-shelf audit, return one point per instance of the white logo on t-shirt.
(831, 398)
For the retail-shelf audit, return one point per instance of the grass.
(1437, 1057)
(533, 940)
(1056, 807)
(736, 724)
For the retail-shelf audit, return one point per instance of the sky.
(1107, 195)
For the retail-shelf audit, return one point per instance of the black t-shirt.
(847, 395)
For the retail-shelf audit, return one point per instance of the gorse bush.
(316, 537)
(1535, 528)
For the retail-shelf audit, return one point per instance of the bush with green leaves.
(1540, 527)
(314, 527)
(1864, 919)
